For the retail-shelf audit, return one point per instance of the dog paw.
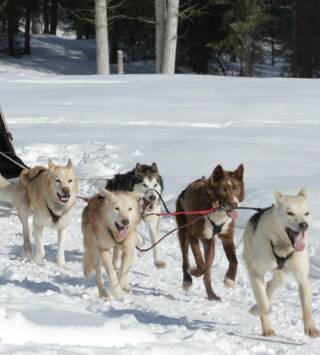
(160, 264)
(214, 297)
(268, 332)
(38, 259)
(312, 332)
(257, 311)
(186, 285)
(228, 282)
(117, 293)
(126, 287)
(103, 294)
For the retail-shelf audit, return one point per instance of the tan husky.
(110, 220)
(50, 195)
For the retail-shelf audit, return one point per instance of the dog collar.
(281, 260)
(55, 217)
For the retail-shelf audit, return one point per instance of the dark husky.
(144, 179)
(224, 189)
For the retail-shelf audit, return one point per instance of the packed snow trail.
(106, 128)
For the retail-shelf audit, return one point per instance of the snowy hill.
(187, 124)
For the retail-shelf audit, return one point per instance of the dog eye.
(155, 185)
(130, 209)
(69, 181)
(144, 185)
(58, 181)
(235, 189)
(117, 208)
(290, 213)
(307, 213)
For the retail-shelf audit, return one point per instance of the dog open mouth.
(296, 238)
(63, 198)
(122, 230)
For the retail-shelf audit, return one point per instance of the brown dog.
(224, 189)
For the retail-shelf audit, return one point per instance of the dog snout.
(152, 197)
(125, 222)
(66, 190)
(234, 204)
(303, 226)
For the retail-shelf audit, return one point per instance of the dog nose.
(303, 226)
(234, 205)
(125, 222)
(152, 197)
(66, 190)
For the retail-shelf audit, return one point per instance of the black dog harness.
(281, 260)
(55, 217)
(216, 228)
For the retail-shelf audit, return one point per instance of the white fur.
(259, 257)
(218, 218)
(153, 222)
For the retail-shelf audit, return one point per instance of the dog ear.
(69, 164)
(51, 166)
(217, 174)
(303, 193)
(238, 173)
(138, 169)
(106, 193)
(154, 167)
(279, 196)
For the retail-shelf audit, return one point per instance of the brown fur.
(227, 189)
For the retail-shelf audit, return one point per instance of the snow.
(187, 124)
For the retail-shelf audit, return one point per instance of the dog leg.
(127, 259)
(306, 303)
(209, 252)
(102, 291)
(37, 233)
(153, 223)
(263, 306)
(201, 265)
(113, 277)
(117, 257)
(267, 329)
(276, 281)
(230, 251)
(23, 216)
(62, 233)
(184, 245)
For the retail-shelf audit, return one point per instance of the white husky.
(276, 240)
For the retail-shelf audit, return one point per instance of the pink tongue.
(234, 214)
(123, 232)
(298, 242)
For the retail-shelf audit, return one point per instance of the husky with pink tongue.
(275, 240)
(109, 223)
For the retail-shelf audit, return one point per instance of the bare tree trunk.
(53, 17)
(170, 40)
(11, 27)
(120, 62)
(27, 27)
(46, 16)
(160, 15)
(102, 45)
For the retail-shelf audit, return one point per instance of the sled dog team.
(275, 239)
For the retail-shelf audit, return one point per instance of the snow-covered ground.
(187, 124)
